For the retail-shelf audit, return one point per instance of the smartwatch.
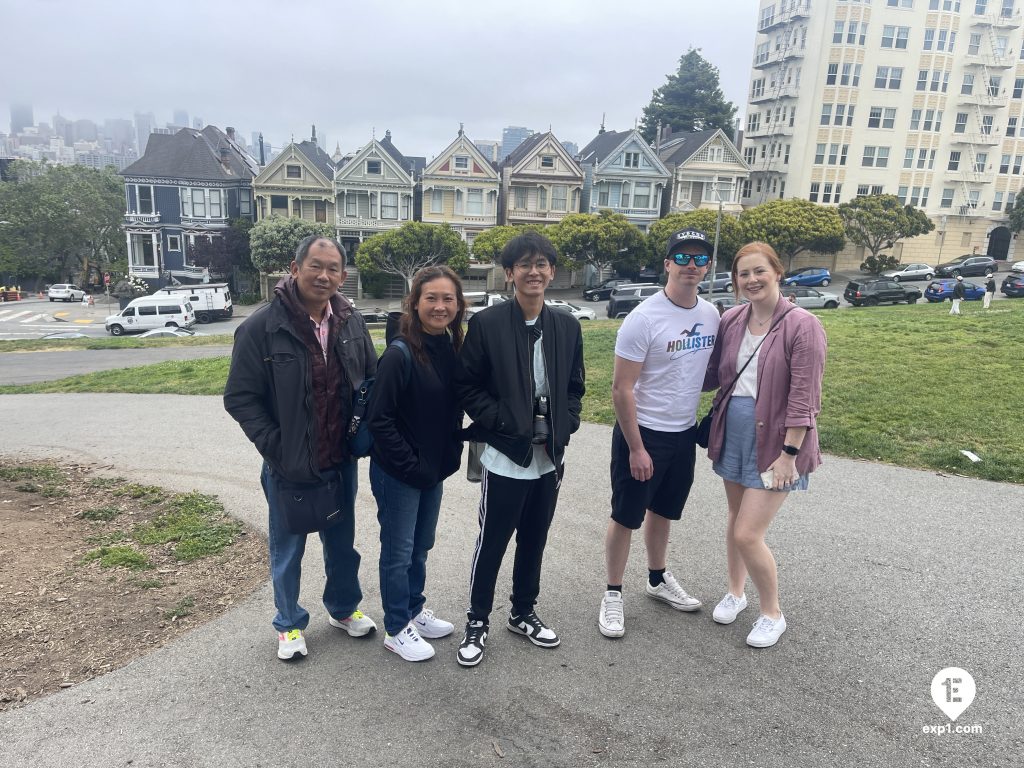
(791, 450)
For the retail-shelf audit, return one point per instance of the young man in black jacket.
(520, 378)
(294, 367)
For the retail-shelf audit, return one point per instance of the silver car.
(812, 298)
(911, 272)
(580, 313)
(65, 292)
(723, 282)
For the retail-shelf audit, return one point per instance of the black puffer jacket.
(495, 385)
(415, 419)
(269, 391)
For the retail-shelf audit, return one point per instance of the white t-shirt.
(746, 384)
(674, 344)
(497, 462)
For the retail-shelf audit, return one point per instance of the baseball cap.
(678, 239)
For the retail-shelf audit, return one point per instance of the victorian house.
(375, 190)
(540, 182)
(460, 188)
(623, 174)
(187, 186)
(298, 183)
(706, 168)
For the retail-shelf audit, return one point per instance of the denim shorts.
(737, 461)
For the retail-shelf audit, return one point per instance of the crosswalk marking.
(17, 315)
(32, 319)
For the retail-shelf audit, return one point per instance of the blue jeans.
(341, 561)
(408, 520)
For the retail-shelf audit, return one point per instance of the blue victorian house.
(187, 186)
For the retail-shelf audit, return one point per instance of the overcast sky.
(416, 67)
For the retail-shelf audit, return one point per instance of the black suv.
(968, 265)
(869, 293)
(623, 300)
(604, 290)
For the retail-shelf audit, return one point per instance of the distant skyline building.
(571, 147)
(21, 118)
(144, 125)
(181, 118)
(511, 137)
(197, 123)
(489, 149)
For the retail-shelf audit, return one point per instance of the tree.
(223, 255)
(877, 222)
(602, 239)
(793, 226)
(272, 242)
(690, 101)
(1016, 214)
(730, 238)
(61, 222)
(489, 244)
(414, 245)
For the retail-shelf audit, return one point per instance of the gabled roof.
(320, 159)
(524, 149)
(388, 154)
(601, 146)
(411, 165)
(679, 150)
(192, 154)
(532, 144)
(466, 144)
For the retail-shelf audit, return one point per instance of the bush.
(875, 265)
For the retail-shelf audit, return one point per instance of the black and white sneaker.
(529, 624)
(471, 649)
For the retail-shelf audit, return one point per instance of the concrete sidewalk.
(887, 575)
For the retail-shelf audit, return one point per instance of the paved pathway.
(888, 575)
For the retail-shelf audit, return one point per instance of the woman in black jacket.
(415, 419)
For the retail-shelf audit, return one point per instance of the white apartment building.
(923, 99)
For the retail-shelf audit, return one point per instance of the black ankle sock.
(615, 588)
(656, 577)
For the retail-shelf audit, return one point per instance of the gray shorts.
(737, 462)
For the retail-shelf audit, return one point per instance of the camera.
(541, 428)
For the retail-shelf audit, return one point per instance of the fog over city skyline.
(418, 69)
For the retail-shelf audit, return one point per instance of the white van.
(146, 312)
(211, 301)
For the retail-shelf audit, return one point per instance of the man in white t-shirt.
(661, 354)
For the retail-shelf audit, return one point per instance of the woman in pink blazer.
(764, 437)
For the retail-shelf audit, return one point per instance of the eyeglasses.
(699, 260)
(526, 266)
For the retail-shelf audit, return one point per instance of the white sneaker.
(766, 632)
(611, 620)
(670, 592)
(289, 643)
(357, 625)
(409, 645)
(428, 625)
(729, 607)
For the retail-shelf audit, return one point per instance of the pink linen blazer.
(790, 366)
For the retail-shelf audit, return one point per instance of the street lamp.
(942, 236)
(718, 231)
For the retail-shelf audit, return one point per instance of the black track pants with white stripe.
(508, 505)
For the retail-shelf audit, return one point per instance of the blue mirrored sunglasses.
(699, 260)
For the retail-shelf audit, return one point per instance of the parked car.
(623, 300)
(65, 292)
(580, 313)
(968, 265)
(911, 272)
(870, 293)
(374, 315)
(1017, 266)
(169, 333)
(940, 290)
(602, 291)
(647, 275)
(808, 276)
(726, 300)
(1013, 285)
(809, 298)
(723, 282)
(478, 300)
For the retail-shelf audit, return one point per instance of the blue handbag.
(359, 438)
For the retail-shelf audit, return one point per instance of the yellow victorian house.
(298, 183)
(540, 182)
(460, 188)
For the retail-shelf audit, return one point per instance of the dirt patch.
(97, 571)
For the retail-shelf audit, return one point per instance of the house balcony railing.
(989, 139)
(209, 221)
(777, 57)
(141, 270)
(366, 223)
(996, 20)
(772, 129)
(142, 218)
(526, 213)
(990, 60)
(771, 94)
(984, 99)
(638, 212)
(969, 176)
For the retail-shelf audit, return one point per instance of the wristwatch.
(791, 450)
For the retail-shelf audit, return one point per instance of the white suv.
(65, 292)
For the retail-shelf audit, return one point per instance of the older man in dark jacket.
(294, 367)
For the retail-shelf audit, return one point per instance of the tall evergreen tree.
(690, 101)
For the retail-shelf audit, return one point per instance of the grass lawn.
(108, 342)
(906, 385)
